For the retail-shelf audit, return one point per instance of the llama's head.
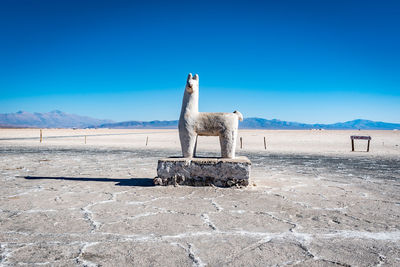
(192, 83)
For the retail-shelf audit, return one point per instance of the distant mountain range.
(141, 125)
(258, 123)
(52, 119)
(59, 119)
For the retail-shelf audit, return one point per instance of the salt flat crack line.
(192, 254)
(81, 251)
(207, 221)
(233, 257)
(6, 252)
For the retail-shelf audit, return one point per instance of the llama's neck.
(190, 103)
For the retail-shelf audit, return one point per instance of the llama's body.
(193, 123)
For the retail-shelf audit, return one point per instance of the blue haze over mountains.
(53, 119)
(59, 119)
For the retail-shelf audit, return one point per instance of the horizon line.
(170, 120)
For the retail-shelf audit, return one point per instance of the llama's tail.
(240, 116)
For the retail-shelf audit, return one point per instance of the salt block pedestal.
(203, 171)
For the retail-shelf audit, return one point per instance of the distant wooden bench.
(361, 138)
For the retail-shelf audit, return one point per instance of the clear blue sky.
(307, 61)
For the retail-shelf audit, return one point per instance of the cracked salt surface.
(208, 222)
(302, 211)
(84, 262)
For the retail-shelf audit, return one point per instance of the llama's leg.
(188, 141)
(233, 143)
(195, 147)
(191, 145)
(228, 144)
(222, 143)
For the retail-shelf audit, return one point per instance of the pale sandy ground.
(313, 203)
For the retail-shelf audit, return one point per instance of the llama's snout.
(189, 88)
(192, 83)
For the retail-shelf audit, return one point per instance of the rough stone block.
(222, 172)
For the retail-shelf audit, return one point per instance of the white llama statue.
(193, 123)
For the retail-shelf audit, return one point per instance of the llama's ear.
(196, 77)
(189, 77)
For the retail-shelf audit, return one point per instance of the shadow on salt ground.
(144, 182)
